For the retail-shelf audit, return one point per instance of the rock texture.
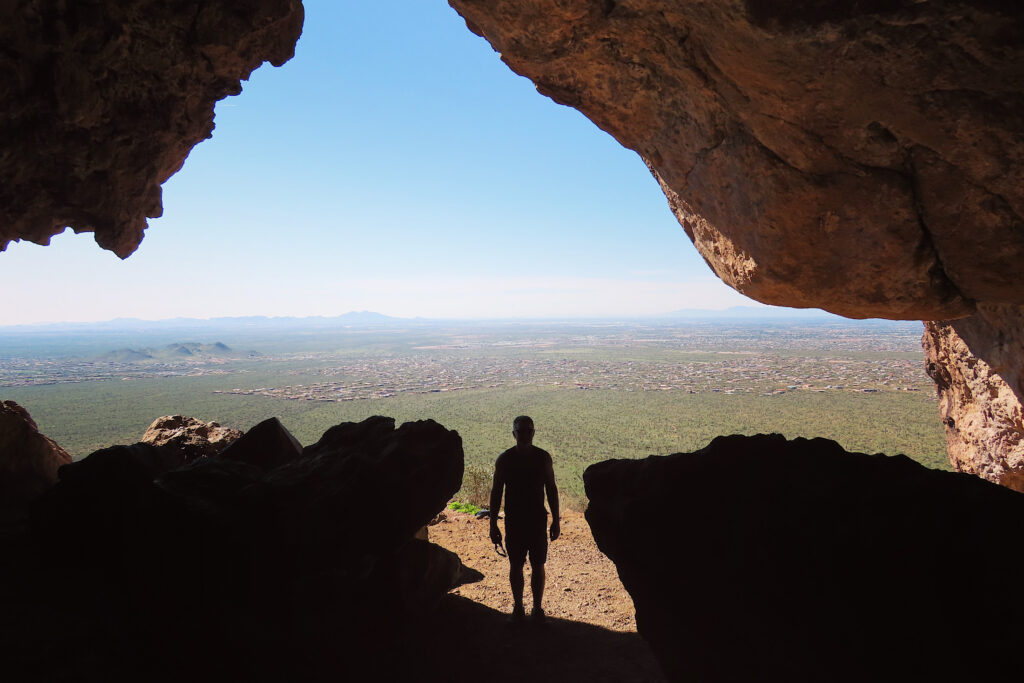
(762, 559)
(860, 157)
(225, 570)
(194, 438)
(28, 460)
(101, 102)
(979, 401)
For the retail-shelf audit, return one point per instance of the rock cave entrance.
(865, 159)
(872, 176)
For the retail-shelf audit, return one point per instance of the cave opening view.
(260, 444)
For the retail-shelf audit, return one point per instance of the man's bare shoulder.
(504, 456)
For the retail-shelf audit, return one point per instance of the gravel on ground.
(590, 632)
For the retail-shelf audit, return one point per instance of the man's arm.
(552, 491)
(496, 490)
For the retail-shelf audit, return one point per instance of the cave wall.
(980, 400)
(860, 157)
(101, 102)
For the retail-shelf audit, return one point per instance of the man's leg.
(538, 556)
(537, 585)
(515, 578)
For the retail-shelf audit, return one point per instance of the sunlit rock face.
(979, 401)
(191, 437)
(762, 559)
(101, 102)
(861, 157)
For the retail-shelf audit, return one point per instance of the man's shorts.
(527, 539)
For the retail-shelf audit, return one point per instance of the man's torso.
(525, 473)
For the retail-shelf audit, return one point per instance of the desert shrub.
(468, 508)
(476, 485)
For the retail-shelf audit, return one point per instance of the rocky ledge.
(762, 559)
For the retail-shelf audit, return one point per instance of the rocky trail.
(590, 634)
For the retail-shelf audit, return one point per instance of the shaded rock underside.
(101, 102)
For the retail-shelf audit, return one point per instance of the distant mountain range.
(176, 351)
(371, 319)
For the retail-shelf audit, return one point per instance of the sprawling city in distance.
(596, 389)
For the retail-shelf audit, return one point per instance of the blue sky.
(395, 165)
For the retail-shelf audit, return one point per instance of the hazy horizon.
(751, 313)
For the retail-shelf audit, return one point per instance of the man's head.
(522, 430)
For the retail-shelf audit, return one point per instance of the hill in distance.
(175, 351)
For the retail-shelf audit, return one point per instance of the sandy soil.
(590, 633)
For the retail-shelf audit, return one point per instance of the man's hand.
(556, 529)
(495, 534)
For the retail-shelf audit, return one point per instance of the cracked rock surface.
(980, 400)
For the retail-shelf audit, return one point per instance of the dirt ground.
(590, 632)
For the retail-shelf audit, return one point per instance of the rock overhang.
(863, 158)
(102, 102)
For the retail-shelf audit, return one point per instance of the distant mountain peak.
(171, 351)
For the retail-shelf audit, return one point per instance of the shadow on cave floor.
(470, 641)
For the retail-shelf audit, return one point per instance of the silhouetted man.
(525, 472)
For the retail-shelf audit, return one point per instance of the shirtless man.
(524, 472)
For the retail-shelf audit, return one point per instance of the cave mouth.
(404, 149)
(943, 230)
(784, 147)
(275, 179)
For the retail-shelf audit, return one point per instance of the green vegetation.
(739, 392)
(468, 508)
(577, 427)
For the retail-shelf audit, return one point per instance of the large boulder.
(266, 445)
(226, 569)
(193, 438)
(29, 460)
(762, 559)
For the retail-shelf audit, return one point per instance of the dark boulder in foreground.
(762, 559)
(266, 445)
(226, 570)
(29, 460)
